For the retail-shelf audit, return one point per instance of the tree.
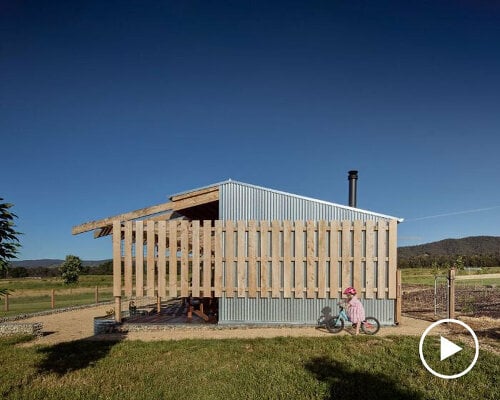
(9, 243)
(70, 269)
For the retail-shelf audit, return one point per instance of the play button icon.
(448, 348)
(449, 360)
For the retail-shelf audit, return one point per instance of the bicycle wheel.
(335, 324)
(321, 321)
(370, 326)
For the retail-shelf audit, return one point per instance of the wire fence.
(474, 298)
(25, 302)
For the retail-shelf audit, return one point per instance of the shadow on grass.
(344, 381)
(66, 357)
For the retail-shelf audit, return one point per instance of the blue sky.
(112, 106)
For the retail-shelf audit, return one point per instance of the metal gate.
(441, 290)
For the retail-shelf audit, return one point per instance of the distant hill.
(50, 263)
(469, 246)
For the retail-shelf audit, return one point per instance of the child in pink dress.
(355, 310)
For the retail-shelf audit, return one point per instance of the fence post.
(158, 304)
(52, 299)
(6, 305)
(399, 292)
(97, 294)
(451, 293)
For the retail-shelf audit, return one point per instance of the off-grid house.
(267, 256)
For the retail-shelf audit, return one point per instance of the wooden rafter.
(101, 223)
(178, 203)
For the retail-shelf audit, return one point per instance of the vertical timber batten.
(139, 259)
(196, 266)
(128, 258)
(162, 262)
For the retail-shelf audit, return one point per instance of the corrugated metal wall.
(238, 201)
(292, 311)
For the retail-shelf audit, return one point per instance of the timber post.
(52, 299)
(399, 298)
(6, 305)
(117, 269)
(451, 293)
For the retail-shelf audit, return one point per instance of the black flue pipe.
(353, 186)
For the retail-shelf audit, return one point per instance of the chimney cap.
(353, 174)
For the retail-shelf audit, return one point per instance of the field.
(321, 367)
(280, 368)
(474, 298)
(425, 276)
(33, 295)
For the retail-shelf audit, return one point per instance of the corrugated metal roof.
(275, 204)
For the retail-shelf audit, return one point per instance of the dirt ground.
(76, 325)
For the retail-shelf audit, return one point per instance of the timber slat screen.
(313, 259)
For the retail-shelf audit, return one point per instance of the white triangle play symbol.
(448, 348)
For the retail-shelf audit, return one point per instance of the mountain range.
(469, 246)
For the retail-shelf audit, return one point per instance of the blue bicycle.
(334, 324)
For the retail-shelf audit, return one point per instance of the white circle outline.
(421, 344)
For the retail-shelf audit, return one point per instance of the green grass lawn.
(281, 368)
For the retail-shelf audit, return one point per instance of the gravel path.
(79, 324)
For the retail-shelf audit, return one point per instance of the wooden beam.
(195, 200)
(194, 193)
(180, 202)
(163, 217)
(101, 223)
